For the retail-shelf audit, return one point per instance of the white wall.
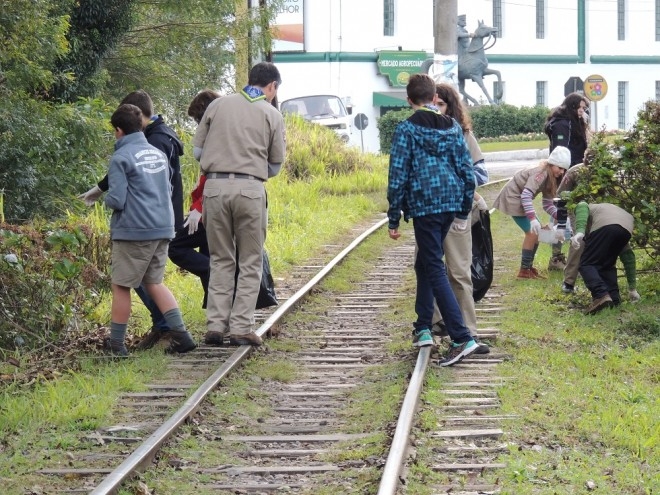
(350, 26)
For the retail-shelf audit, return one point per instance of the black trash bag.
(266, 296)
(482, 255)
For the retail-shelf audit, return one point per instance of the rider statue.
(463, 35)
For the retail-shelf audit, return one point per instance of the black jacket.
(562, 131)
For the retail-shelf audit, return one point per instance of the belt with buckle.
(230, 175)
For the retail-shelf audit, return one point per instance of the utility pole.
(445, 49)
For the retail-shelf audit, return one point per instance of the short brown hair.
(142, 100)
(128, 118)
(200, 102)
(420, 89)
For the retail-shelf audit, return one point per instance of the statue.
(472, 61)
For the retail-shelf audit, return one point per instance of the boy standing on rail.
(432, 181)
(141, 227)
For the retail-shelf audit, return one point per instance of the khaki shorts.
(137, 262)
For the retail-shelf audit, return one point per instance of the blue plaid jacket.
(430, 169)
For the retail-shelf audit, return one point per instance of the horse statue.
(473, 64)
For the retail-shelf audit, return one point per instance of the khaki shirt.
(240, 136)
(508, 200)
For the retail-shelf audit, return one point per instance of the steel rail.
(139, 459)
(389, 482)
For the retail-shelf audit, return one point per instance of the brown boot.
(525, 273)
(599, 304)
(246, 339)
(557, 263)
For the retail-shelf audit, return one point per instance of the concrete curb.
(507, 156)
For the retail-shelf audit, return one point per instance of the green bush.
(49, 281)
(49, 154)
(386, 125)
(626, 171)
(488, 121)
(505, 120)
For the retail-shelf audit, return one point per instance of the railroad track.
(300, 444)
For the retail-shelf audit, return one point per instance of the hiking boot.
(529, 273)
(599, 304)
(439, 329)
(457, 352)
(151, 339)
(422, 337)
(116, 348)
(557, 263)
(180, 342)
(213, 338)
(567, 288)
(246, 339)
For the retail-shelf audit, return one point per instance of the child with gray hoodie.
(141, 227)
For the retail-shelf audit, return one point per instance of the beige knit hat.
(560, 157)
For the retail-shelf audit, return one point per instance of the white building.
(334, 47)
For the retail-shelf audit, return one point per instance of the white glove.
(560, 234)
(91, 196)
(482, 205)
(192, 222)
(459, 225)
(634, 295)
(536, 226)
(576, 240)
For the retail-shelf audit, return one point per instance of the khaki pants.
(572, 264)
(235, 217)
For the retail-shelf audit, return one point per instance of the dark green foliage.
(387, 124)
(49, 282)
(504, 120)
(97, 26)
(626, 171)
(49, 154)
(488, 121)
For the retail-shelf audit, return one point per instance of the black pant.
(183, 253)
(598, 261)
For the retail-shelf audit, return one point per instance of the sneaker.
(422, 338)
(481, 347)
(180, 342)
(557, 263)
(246, 339)
(213, 338)
(439, 329)
(599, 304)
(151, 339)
(457, 352)
(567, 288)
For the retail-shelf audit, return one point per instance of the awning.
(390, 98)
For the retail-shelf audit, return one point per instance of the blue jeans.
(157, 318)
(432, 280)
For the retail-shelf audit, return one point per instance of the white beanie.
(560, 157)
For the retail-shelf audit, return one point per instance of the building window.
(621, 19)
(657, 20)
(497, 17)
(621, 103)
(540, 19)
(540, 93)
(388, 17)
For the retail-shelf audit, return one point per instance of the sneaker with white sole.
(422, 337)
(457, 352)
